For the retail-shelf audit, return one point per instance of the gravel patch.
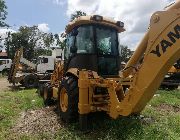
(42, 120)
(168, 108)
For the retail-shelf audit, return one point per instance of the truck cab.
(45, 64)
(5, 65)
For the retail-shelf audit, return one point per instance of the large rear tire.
(68, 98)
(30, 81)
(47, 95)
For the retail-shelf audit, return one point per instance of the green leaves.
(77, 14)
(33, 41)
(126, 53)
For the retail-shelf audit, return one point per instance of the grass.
(156, 124)
(12, 104)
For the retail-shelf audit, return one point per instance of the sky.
(54, 15)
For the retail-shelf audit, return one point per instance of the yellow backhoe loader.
(90, 79)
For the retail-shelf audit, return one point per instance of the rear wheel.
(5, 72)
(68, 99)
(30, 81)
(47, 95)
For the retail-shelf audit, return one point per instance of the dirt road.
(4, 84)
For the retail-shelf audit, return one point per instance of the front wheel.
(68, 99)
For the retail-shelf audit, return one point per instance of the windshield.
(107, 41)
(2, 62)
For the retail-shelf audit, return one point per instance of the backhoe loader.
(90, 79)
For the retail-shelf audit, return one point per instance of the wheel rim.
(64, 100)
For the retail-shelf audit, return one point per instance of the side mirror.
(73, 49)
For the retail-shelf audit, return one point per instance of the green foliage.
(126, 53)
(48, 39)
(42, 51)
(3, 13)
(60, 42)
(77, 14)
(31, 39)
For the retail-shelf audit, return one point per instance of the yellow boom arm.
(160, 49)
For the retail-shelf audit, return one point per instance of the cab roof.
(95, 19)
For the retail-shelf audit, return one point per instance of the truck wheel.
(22, 82)
(68, 99)
(41, 89)
(31, 81)
(5, 72)
(47, 95)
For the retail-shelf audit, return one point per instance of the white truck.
(5, 65)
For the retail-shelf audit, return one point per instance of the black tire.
(70, 84)
(47, 95)
(31, 81)
(22, 82)
(5, 72)
(41, 89)
(172, 87)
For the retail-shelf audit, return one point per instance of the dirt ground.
(4, 84)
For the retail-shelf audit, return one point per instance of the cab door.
(107, 51)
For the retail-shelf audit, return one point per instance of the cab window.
(107, 42)
(85, 40)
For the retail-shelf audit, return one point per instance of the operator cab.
(92, 44)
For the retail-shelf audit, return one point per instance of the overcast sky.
(53, 15)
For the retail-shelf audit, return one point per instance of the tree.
(3, 13)
(77, 14)
(60, 40)
(126, 53)
(30, 38)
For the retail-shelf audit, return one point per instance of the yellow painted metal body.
(145, 42)
(83, 20)
(57, 74)
(173, 70)
(15, 67)
(55, 92)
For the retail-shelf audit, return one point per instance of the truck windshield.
(2, 62)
